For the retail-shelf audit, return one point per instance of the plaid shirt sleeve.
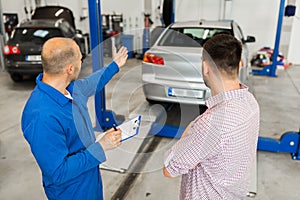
(201, 142)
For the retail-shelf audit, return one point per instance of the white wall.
(256, 17)
(155, 15)
(294, 52)
(196, 10)
(132, 10)
(133, 17)
(10, 7)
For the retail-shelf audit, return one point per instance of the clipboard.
(130, 128)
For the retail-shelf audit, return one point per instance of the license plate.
(33, 58)
(177, 92)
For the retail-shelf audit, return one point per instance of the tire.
(16, 77)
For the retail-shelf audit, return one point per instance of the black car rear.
(23, 49)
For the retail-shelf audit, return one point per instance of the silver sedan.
(171, 68)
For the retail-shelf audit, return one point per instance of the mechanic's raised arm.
(97, 81)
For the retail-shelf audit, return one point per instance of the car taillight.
(11, 50)
(151, 58)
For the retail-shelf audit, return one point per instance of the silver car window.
(190, 36)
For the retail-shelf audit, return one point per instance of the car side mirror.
(249, 39)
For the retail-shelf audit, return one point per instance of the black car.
(23, 50)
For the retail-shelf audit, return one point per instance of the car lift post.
(146, 33)
(104, 118)
(270, 70)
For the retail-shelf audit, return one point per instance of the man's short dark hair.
(224, 51)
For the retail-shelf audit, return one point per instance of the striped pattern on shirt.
(217, 153)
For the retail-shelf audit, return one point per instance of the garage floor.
(278, 175)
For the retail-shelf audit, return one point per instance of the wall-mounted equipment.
(112, 26)
(10, 20)
(290, 10)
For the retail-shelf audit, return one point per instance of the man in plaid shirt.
(216, 152)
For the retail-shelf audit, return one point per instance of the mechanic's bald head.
(57, 54)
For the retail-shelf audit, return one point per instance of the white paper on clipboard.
(130, 128)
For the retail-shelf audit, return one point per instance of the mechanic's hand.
(120, 57)
(111, 139)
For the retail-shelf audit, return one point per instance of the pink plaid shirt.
(219, 149)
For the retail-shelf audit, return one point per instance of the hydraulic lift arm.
(288, 143)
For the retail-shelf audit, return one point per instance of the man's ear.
(241, 64)
(69, 69)
(205, 68)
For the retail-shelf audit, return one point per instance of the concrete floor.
(278, 175)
